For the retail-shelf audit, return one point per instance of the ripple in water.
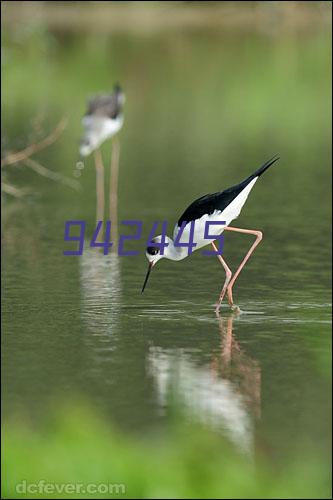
(78, 168)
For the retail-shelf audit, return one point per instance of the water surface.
(203, 111)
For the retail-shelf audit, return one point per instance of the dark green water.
(203, 111)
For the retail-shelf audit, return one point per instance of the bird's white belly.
(199, 230)
(97, 130)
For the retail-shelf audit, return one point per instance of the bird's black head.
(152, 250)
(86, 147)
(153, 254)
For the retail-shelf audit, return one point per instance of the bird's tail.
(265, 166)
(257, 173)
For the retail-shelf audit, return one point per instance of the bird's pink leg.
(113, 192)
(258, 239)
(228, 275)
(99, 186)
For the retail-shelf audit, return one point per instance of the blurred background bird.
(103, 119)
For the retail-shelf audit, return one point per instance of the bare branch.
(25, 153)
(55, 176)
(12, 190)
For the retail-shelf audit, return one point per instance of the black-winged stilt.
(103, 119)
(221, 207)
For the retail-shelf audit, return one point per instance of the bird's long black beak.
(150, 267)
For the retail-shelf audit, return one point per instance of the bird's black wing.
(219, 201)
(207, 204)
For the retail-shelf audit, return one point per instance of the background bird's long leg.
(99, 186)
(258, 239)
(228, 275)
(113, 192)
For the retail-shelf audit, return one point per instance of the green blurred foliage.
(186, 461)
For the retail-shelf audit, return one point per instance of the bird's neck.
(175, 253)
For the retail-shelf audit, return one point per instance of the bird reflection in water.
(101, 295)
(225, 393)
(233, 364)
